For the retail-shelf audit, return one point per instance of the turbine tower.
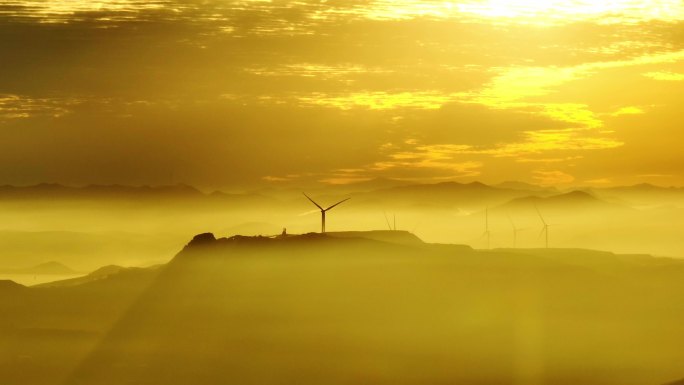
(389, 226)
(516, 231)
(387, 220)
(323, 211)
(545, 229)
(487, 233)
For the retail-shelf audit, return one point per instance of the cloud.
(552, 177)
(665, 76)
(516, 88)
(417, 163)
(600, 181)
(549, 160)
(571, 11)
(426, 100)
(64, 11)
(556, 140)
(413, 159)
(335, 91)
(439, 157)
(22, 107)
(316, 70)
(535, 142)
(631, 110)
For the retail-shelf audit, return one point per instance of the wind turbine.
(323, 211)
(487, 233)
(387, 220)
(545, 229)
(389, 226)
(516, 231)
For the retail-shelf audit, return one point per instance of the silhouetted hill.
(643, 195)
(331, 243)
(106, 271)
(644, 187)
(329, 239)
(102, 273)
(390, 236)
(337, 303)
(7, 286)
(574, 200)
(680, 382)
(515, 185)
(321, 308)
(572, 197)
(47, 268)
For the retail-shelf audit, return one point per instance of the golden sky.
(231, 94)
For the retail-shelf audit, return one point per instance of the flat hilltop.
(330, 239)
(350, 308)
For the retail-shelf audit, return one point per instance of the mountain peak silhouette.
(389, 237)
(50, 268)
(8, 286)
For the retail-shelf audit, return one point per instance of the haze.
(341, 192)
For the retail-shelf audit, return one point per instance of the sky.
(238, 94)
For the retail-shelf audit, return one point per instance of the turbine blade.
(540, 215)
(387, 220)
(312, 201)
(542, 232)
(512, 223)
(342, 201)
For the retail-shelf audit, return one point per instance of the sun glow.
(530, 12)
(533, 12)
(559, 11)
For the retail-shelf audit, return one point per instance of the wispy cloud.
(64, 11)
(427, 100)
(555, 140)
(412, 158)
(631, 110)
(19, 107)
(552, 177)
(442, 157)
(552, 12)
(300, 17)
(666, 76)
(519, 88)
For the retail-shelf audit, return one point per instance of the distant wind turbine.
(387, 220)
(323, 211)
(389, 226)
(545, 229)
(516, 231)
(487, 233)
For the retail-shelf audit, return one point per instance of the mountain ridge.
(49, 268)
